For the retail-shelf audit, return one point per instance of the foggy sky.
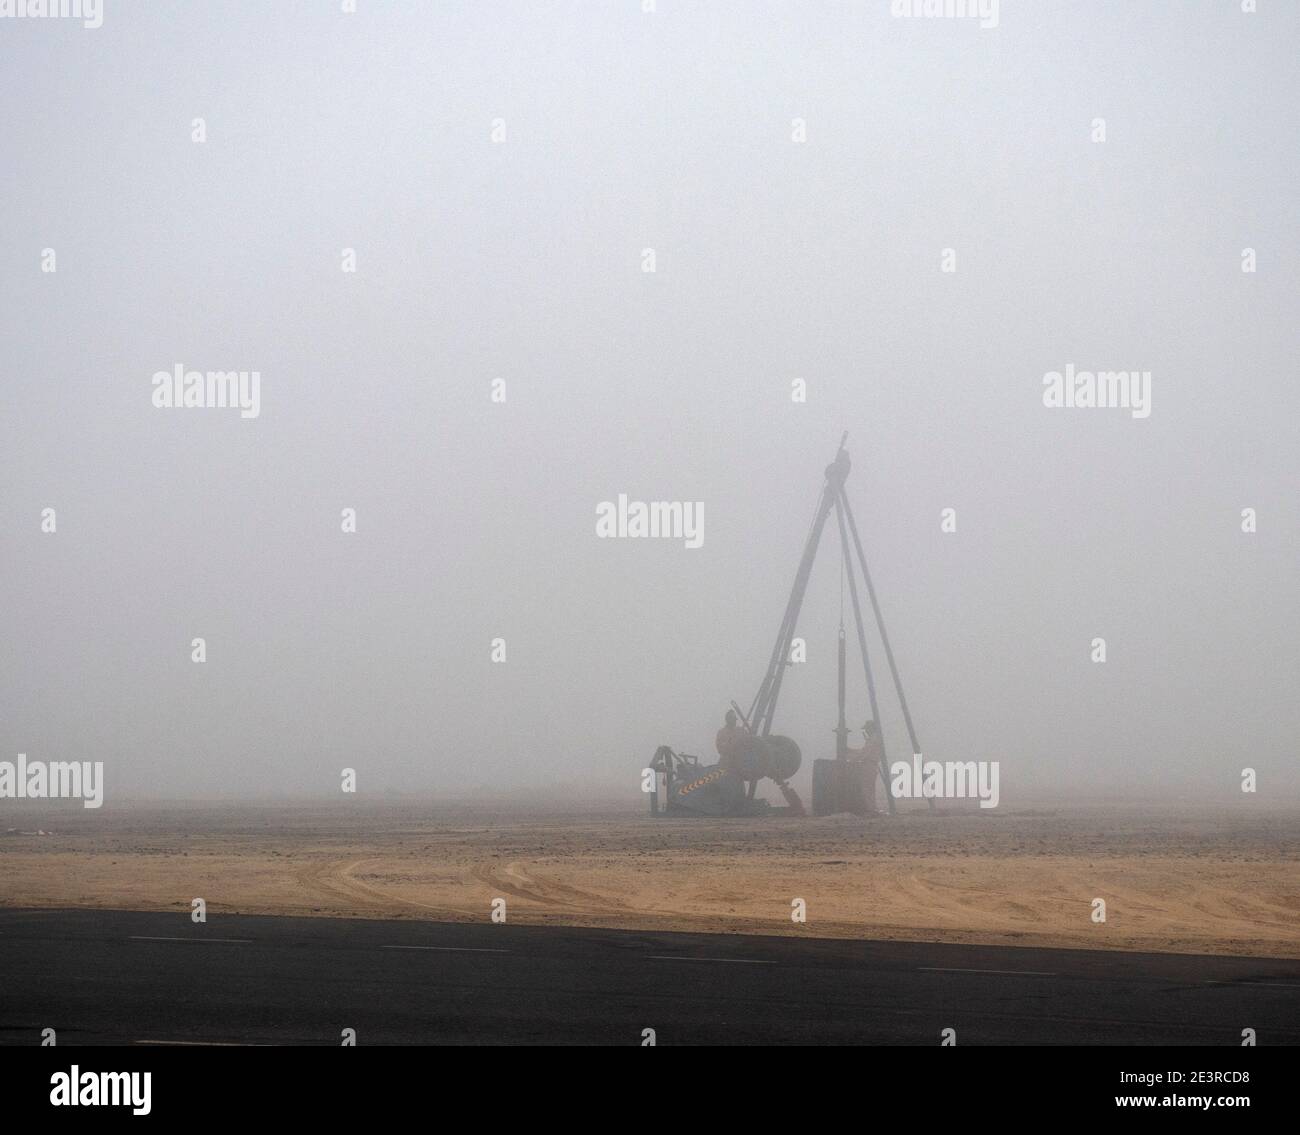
(522, 261)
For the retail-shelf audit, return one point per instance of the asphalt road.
(124, 977)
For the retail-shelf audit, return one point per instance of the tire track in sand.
(516, 879)
(333, 879)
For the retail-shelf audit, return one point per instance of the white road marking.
(202, 1043)
(151, 938)
(688, 958)
(1265, 984)
(450, 949)
(1005, 972)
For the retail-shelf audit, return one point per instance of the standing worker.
(731, 743)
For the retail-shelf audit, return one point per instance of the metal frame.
(759, 718)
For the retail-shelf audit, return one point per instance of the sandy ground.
(1197, 880)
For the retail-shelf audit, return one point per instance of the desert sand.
(1187, 879)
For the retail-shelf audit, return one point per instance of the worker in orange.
(872, 742)
(731, 742)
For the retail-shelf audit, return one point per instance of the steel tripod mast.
(763, 708)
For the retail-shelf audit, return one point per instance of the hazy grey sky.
(522, 260)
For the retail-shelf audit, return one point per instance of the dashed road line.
(450, 949)
(1265, 984)
(688, 958)
(201, 1043)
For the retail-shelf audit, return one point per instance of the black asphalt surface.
(125, 977)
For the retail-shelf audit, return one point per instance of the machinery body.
(693, 788)
(843, 786)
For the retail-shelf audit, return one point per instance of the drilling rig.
(684, 784)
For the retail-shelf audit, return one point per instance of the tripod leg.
(884, 634)
(840, 506)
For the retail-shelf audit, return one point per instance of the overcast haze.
(522, 260)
